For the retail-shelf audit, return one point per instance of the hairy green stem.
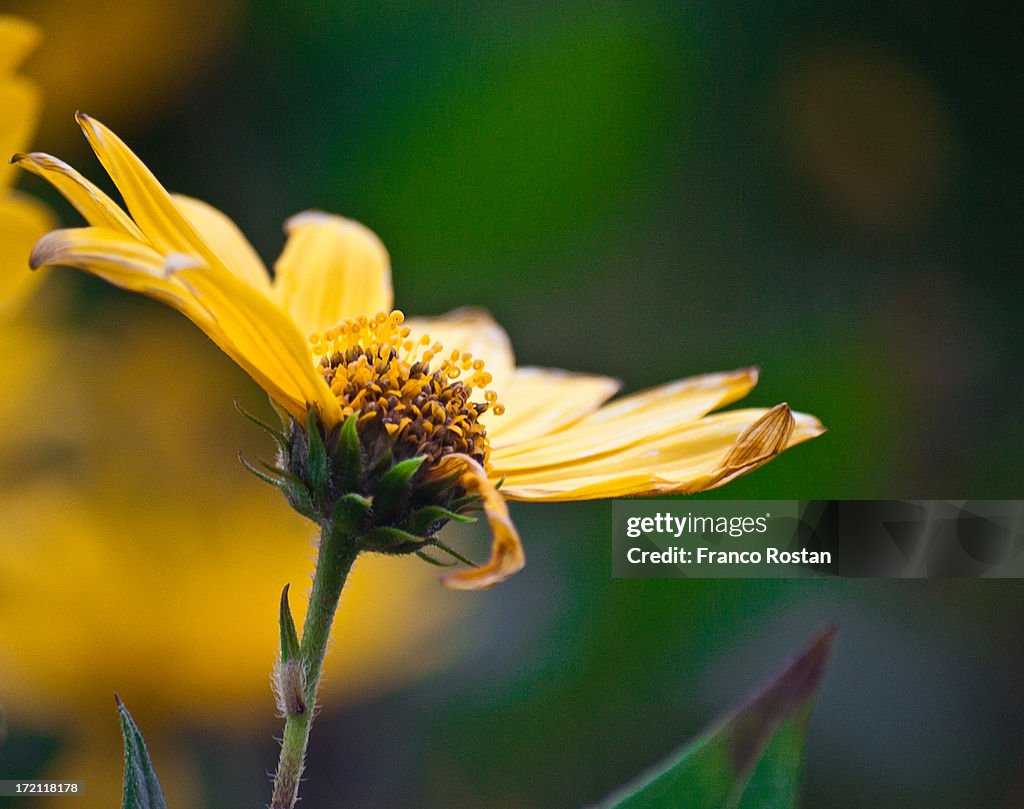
(334, 560)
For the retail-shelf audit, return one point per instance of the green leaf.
(289, 637)
(141, 786)
(753, 759)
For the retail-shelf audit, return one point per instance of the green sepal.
(385, 538)
(453, 553)
(393, 486)
(267, 477)
(317, 463)
(430, 560)
(468, 501)
(279, 438)
(349, 513)
(141, 786)
(425, 518)
(348, 460)
(286, 476)
(293, 486)
(289, 637)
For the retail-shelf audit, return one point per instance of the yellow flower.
(22, 219)
(320, 339)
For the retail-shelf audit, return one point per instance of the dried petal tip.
(758, 444)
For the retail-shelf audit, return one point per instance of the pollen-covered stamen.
(406, 388)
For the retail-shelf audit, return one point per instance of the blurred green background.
(647, 191)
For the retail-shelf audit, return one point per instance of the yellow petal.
(226, 240)
(331, 269)
(165, 226)
(117, 259)
(262, 339)
(19, 112)
(539, 401)
(628, 421)
(474, 331)
(22, 222)
(507, 557)
(703, 455)
(98, 209)
(18, 38)
(137, 267)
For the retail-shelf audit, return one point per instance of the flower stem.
(336, 554)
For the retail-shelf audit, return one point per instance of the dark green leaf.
(751, 760)
(141, 786)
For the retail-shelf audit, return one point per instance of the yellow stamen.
(374, 368)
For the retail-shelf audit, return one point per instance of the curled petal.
(507, 557)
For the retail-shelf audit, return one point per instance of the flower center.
(409, 395)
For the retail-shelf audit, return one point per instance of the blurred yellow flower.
(22, 219)
(172, 47)
(550, 439)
